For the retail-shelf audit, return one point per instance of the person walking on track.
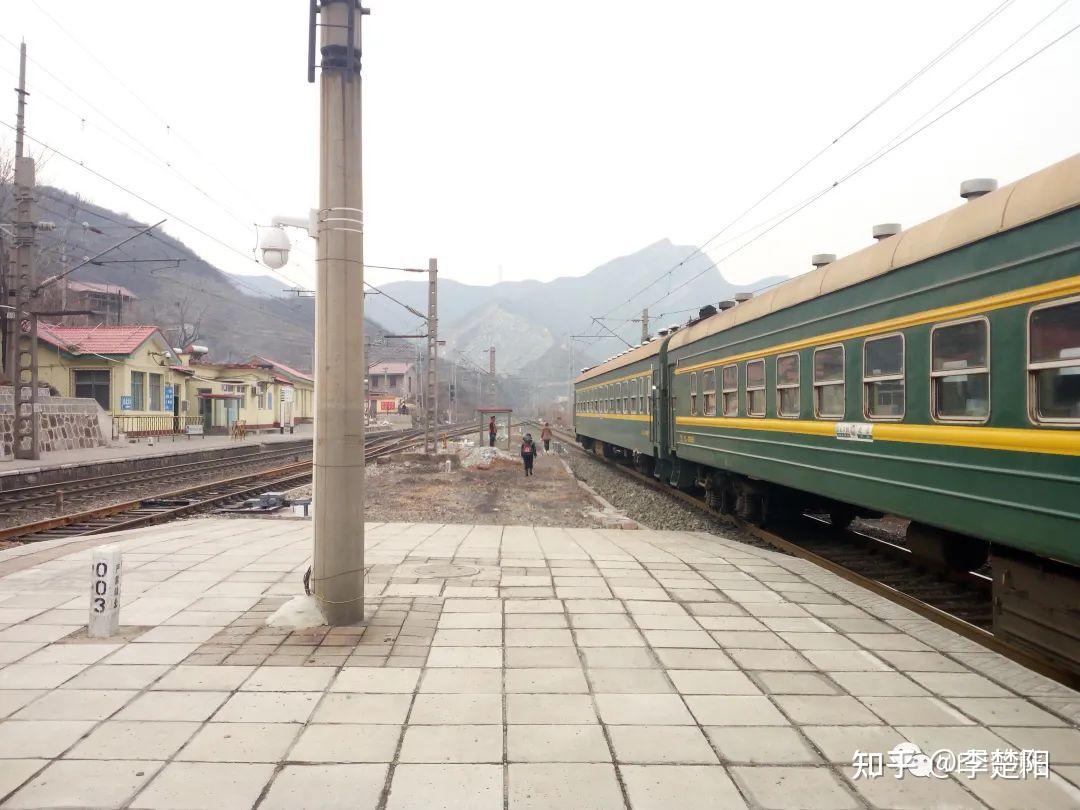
(545, 437)
(528, 452)
(492, 431)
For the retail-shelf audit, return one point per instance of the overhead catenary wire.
(971, 31)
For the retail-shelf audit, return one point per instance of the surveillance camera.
(274, 246)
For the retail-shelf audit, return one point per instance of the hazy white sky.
(545, 138)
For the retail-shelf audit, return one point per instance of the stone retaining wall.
(67, 423)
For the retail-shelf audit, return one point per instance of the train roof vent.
(740, 297)
(662, 333)
(977, 186)
(707, 311)
(723, 305)
(822, 259)
(674, 328)
(886, 229)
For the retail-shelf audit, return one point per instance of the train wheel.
(841, 515)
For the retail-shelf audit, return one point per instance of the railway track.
(959, 602)
(186, 501)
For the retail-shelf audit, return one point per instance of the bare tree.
(187, 319)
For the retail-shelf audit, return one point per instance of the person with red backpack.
(528, 452)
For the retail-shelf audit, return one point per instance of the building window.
(708, 385)
(960, 371)
(138, 390)
(693, 393)
(155, 392)
(829, 382)
(1054, 362)
(787, 385)
(731, 390)
(883, 377)
(94, 384)
(755, 388)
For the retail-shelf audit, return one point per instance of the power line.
(971, 31)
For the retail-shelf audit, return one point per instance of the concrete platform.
(558, 668)
(162, 446)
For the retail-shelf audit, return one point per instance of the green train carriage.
(934, 375)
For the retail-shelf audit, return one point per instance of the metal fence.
(163, 425)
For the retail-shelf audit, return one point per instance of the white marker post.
(104, 592)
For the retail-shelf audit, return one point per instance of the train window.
(633, 396)
(693, 393)
(708, 389)
(755, 388)
(829, 382)
(730, 381)
(1054, 362)
(883, 377)
(642, 401)
(626, 397)
(787, 385)
(960, 371)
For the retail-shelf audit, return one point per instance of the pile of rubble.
(484, 457)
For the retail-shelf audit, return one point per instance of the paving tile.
(539, 638)
(913, 794)
(71, 654)
(661, 744)
(355, 707)
(17, 771)
(468, 637)
(773, 787)
(686, 787)
(711, 682)
(12, 651)
(783, 660)
(959, 684)
(205, 786)
(37, 676)
(643, 710)
(1062, 743)
(680, 639)
(878, 684)
(734, 710)
(452, 743)
(266, 707)
(629, 681)
(431, 709)
(240, 742)
(845, 661)
(152, 653)
(463, 681)
(818, 641)
(1005, 712)
(953, 738)
(920, 661)
(29, 739)
(761, 745)
(289, 679)
(346, 743)
(1041, 793)
(541, 621)
(695, 659)
(619, 657)
(794, 683)
(915, 711)
(542, 709)
(129, 739)
(11, 700)
(552, 742)
(68, 783)
(609, 638)
(386, 679)
(559, 681)
(466, 621)
(446, 787)
(839, 743)
(76, 704)
(749, 640)
(338, 787)
(173, 706)
(539, 786)
(519, 657)
(839, 710)
(193, 678)
(465, 657)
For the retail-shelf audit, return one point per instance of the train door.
(654, 390)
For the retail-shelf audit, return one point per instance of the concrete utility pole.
(338, 564)
(21, 324)
(645, 325)
(431, 392)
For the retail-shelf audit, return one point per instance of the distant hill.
(235, 316)
(530, 322)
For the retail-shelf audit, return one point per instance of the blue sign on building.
(126, 402)
(169, 398)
